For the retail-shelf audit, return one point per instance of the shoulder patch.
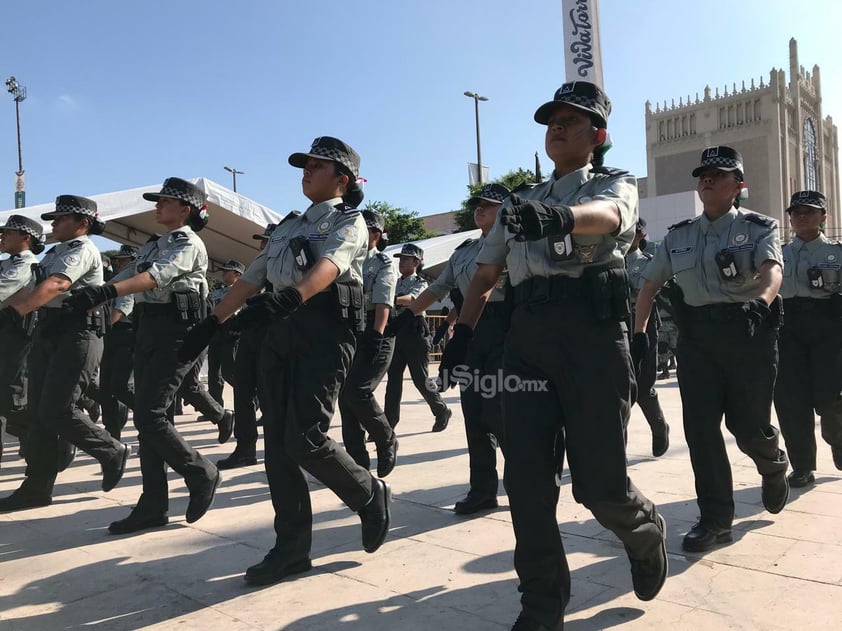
(290, 215)
(465, 243)
(761, 220)
(609, 171)
(179, 236)
(682, 223)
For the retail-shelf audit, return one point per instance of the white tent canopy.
(130, 219)
(437, 250)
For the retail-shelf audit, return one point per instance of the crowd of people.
(558, 292)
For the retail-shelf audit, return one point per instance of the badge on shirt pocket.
(561, 248)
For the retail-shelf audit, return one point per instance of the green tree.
(401, 225)
(512, 179)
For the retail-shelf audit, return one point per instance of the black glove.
(530, 220)
(441, 331)
(9, 317)
(277, 304)
(639, 349)
(756, 313)
(404, 319)
(197, 339)
(370, 345)
(86, 298)
(454, 355)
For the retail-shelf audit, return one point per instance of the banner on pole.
(20, 190)
(473, 175)
(582, 46)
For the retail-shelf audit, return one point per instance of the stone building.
(778, 126)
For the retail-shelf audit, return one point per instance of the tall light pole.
(18, 92)
(234, 173)
(477, 98)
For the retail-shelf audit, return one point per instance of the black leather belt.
(807, 305)
(538, 289)
(720, 312)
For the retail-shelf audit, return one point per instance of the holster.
(457, 299)
(679, 307)
(351, 301)
(836, 305)
(608, 290)
(99, 320)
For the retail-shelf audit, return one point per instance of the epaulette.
(347, 209)
(74, 244)
(154, 237)
(180, 235)
(291, 215)
(603, 170)
(464, 243)
(525, 186)
(682, 223)
(761, 220)
(647, 255)
(384, 258)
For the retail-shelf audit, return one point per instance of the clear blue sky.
(124, 94)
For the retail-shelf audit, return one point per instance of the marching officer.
(483, 413)
(727, 266)
(313, 313)
(170, 297)
(810, 368)
(66, 351)
(411, 345)
(21, 238)
(116, 371)
(245, 385)
(566, 357)
(357, 405)
(646, 364)
(223, 346)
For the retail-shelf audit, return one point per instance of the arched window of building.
(810, 161)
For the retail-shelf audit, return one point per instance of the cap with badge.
(813, 199)
(374, 221)
(72, 205)
(125, 252)
(333, 149)
(582, 95)
(494, 193)
(722, 158)
(232, 265)
(24, 224)
(267, 232)
(410, 249)
(190, 194)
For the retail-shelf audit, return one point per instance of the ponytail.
(353, 195)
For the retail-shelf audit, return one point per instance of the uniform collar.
(720, 225)
(573, 180)
(316, 212)
(83, 238)
(799, 244)
(185, 229)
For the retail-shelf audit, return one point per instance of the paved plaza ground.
(60, 569)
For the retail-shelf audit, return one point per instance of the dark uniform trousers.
(359, 409)
(484, 414)
(724, 370)
(195, 394)
(64, 359)
(647, 396)
(586, 368)
(809, 378)
(303, 364)
(158, 376)
(221, 353)
(245, 387)
(117, 378)
(411, 350)
(15, 345)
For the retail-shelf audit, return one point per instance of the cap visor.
(299, 160)
(824, 210)
(698, 170)
(53, 215)
(542, 114)
(259, 237)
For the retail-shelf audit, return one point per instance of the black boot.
(274, 567)
(241, 457)
(375, 516)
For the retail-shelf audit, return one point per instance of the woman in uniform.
(171, 290)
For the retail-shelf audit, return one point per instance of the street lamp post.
(18, 92)
(234, 173)
(477, 98)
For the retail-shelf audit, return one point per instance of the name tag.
(741, 248)
(683, 250)
(315, 236)
(834, 266)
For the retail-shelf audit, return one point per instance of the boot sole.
(656, 591)
(289, 570)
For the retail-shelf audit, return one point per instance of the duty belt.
(155, 308)
(720, 312)
(808, 305)
(494, 309)
(538, 289)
